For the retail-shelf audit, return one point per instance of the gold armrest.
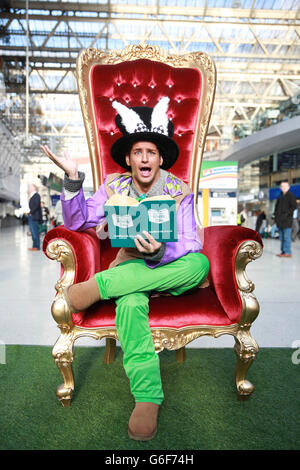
(61, 251)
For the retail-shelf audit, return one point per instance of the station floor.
(27, 291)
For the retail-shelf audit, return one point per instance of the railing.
(286, 110)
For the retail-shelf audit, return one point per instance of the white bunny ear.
(130, 119)
(159, 118)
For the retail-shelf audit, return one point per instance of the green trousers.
(131, 284)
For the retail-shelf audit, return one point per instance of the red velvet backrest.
(143, 82)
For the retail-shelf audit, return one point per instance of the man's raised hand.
(66, 164)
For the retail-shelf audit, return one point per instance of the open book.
(127, 217)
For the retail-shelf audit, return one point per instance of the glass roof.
(258, 4)
(254, 43)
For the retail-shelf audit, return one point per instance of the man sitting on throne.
(146, 151)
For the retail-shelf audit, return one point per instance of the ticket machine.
(218, 193)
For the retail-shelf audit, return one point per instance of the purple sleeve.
(80, 213)
(188, 238)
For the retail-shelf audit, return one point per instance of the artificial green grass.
(200, 411)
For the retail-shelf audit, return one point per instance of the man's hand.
(66, 164)
(149, 247)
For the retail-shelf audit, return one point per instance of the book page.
(121, 200)
(165, 197)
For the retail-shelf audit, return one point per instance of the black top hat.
(142, 123)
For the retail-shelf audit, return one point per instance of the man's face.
(31, 188)
(145, 161)
(284, 187)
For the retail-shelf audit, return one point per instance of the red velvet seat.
(218, 304)
(136, 76)
(167, 312)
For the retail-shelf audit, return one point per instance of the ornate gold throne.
(140, 75)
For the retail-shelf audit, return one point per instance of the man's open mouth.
(145, 171)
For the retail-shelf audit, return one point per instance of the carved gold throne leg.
(246, 350)
(110, 350)
(63, 354)
(246, 347)
(180, 355)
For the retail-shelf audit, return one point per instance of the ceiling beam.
(216, 55)
(241, 13)
(280, 23)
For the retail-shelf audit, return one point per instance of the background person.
(35, 216)
(45, 218)
(242, 218)
(285, 205)
(295, 226)
(58, 215)
(261, 216)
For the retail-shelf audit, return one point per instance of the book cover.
(126, 218)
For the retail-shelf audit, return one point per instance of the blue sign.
(54, 199)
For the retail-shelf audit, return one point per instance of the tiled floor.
(27, 282)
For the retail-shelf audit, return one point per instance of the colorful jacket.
(80, 214)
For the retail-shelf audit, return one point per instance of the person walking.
(285, 205)
(261, 217)
(243, 218)
(295, 226)
(58, 215)
(45, 218)
(35, 216)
